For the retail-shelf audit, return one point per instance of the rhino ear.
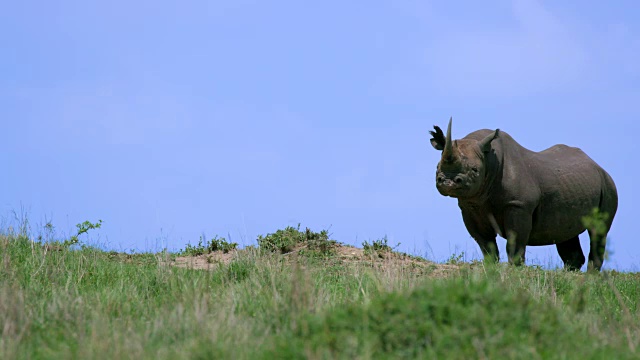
(438, 140)
(485, 144)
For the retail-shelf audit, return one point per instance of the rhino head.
(463, 167)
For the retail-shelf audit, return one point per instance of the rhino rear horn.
(485, 144)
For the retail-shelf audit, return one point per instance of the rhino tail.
(608, 198)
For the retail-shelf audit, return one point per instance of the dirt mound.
(346, 254)
(205, 261)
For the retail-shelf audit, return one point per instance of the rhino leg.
(483, 234)
(517, 223)
(489, 249)
(596, 251)
(571, 254)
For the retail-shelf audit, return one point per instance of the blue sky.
(170, 119)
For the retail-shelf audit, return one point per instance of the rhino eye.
(475, 169)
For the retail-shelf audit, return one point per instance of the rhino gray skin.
(529, 198)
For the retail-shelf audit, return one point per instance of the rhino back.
(570, 185)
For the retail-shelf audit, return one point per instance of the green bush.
(205, 247)
(377, 247)
(285, 241)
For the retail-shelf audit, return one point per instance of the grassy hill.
(299, 295)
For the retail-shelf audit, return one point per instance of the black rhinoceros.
(529, 198)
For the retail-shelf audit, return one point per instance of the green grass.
(88, 303)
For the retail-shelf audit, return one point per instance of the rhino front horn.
(447, 153)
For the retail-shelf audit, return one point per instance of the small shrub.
(456, 259)
(377, 247)
(282, 241)
(205, 247)
(83, 229)
(596, 221)
(285, 241)
(319, 243)
(57, 245)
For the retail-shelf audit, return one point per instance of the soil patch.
(347, 254)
